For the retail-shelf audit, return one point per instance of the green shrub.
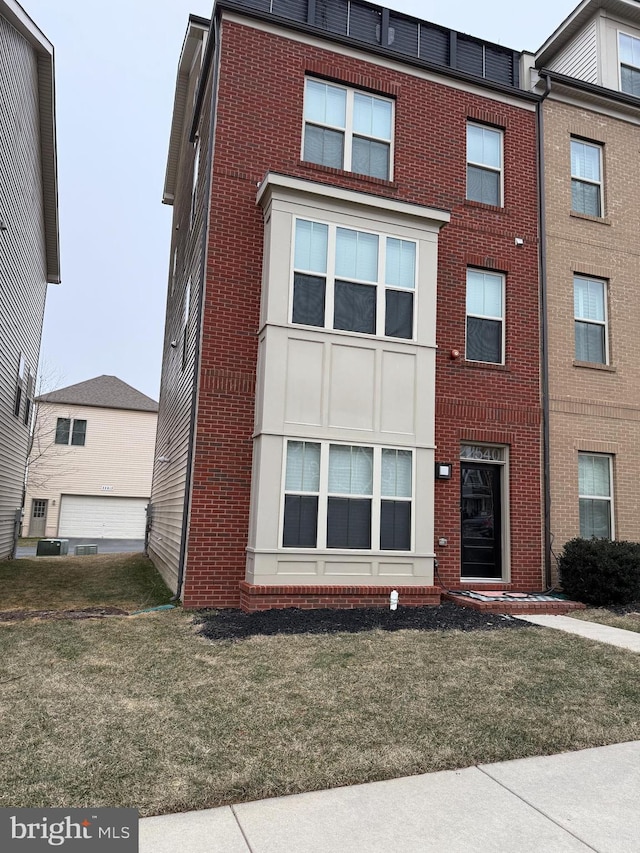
(600, 571)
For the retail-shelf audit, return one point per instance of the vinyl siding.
(115, 461)
(580, 58)
(22, 258)
(178, 368)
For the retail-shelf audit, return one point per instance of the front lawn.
(626, 617)
(144, 712)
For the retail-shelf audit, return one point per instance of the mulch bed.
(632, 608)
(86, 613)
(236, 625)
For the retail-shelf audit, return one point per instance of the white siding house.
(29, 245)
(90, 474)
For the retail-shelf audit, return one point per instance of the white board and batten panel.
(102, 517)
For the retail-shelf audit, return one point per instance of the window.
(484, 164)
(594, 494)
(194, 188)
(28, 403)
(353, 280)
(589, 300)
(629, 48)
(485, 311)
(22, 366)
(347, 497)
(586, 182)
(66, 429)
(347, 130)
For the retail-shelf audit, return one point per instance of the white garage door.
(102, 517)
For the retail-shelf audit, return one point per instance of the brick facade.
(258, 128)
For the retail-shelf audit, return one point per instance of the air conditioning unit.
(52, 548)
(82, 550)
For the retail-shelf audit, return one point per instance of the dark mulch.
(235, 625)
(85, 613)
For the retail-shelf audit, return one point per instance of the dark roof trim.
(241, 8)
(591, 88)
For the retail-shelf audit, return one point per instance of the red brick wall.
(259, 127)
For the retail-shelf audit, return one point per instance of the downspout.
(544, 336)
(198, 349)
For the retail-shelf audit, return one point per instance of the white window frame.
(323, 494)
(194, 186)
(605, 498)
(599, 183)
(603, 323)
(499, 171)
(502, 318)
(72, 430)
(626, 64)
(330, 278)
(347, 130)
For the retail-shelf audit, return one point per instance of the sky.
(116, 66)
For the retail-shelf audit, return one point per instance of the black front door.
(480, 503)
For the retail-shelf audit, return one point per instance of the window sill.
(496, 208)
(594, 365)
(353, 176)
(486, 365)
(603, 220)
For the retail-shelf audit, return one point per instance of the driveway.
(105, 546)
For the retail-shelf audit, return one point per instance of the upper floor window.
(20, 383)
(485, 314)
(590, 313)
(347, 497)
(586, 177)
(353, 280)
(484, 164)
(594, 495)
(347, 129)
(194, 187)
(71, 429)
(629, 64)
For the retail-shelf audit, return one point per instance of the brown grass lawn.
(128, 581)
(628, 622)
(142, 712)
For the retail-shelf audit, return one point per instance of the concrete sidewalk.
(591, 630)
(576, 801)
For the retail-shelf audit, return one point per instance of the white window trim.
(502, 319)
(600, 183)
(620, 62)
(323, 495)
(194, 186)
(499, 170)
(330, 278)
(348, 128)
(605, 322)
(609, 498)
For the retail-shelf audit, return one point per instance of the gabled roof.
(105, 392)
(628, 10)
(19, 20)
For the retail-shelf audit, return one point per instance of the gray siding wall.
(580, 58)
(177, 385)
(22, 259)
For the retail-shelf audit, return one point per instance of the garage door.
(102, 517)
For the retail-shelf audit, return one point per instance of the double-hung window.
(484, 164)
(485, 317)
(586, 177)
(347, 129)
(353, 280)
(629, 52)
(347, 497)
(72, 431)
(594, 495)
(20, 383)
(590, 312)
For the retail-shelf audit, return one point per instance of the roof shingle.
(105, 392)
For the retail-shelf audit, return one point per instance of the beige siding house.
(589, 71)
(29, 245)
(92, 460)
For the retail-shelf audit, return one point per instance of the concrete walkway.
(577, 801)
(592, 630)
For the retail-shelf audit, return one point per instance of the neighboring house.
(90, 469)
(351, 370)
(29, 245)
(589, 71)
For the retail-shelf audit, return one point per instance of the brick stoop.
(263, 597)
(515, 607)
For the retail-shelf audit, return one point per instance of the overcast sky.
(116, 65)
